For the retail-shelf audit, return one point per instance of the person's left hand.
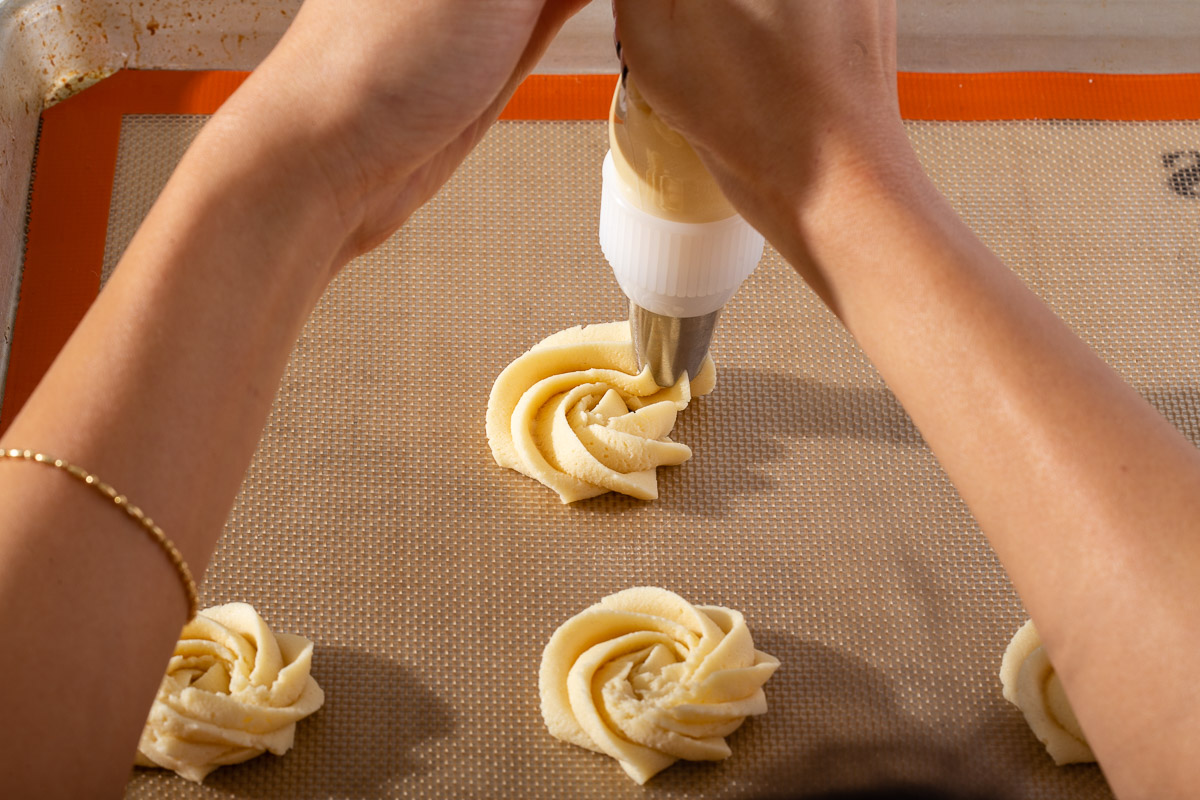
(383, 99)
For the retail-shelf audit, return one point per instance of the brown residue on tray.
(71, 83)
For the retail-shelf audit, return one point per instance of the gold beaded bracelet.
(122, 502)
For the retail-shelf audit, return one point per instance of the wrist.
(281, 178)
(247, 229)
(832, 222)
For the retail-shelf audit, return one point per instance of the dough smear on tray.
(647, 678)
(1031, 684)
(233, 690)
(574, 413)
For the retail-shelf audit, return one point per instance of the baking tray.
(50, 49)
(374, 521)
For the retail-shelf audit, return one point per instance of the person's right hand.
(780, 98)
(1089, 497)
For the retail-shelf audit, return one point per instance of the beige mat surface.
(374, 521)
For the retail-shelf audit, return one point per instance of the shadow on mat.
(853, 735)
(1003, 739)
(769, 404)
(750, 426)
(376, 712)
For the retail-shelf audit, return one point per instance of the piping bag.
(677, 247)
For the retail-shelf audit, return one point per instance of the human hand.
(383, 99)
(780, 98)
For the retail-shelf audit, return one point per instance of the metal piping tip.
(671, 346)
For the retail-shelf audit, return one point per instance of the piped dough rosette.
(233, 690)
(574, 413)
(1031, 684)
(647, 678)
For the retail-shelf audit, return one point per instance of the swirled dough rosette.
(233, 690)
(1031, 684)
(647, 678)
(575, 413)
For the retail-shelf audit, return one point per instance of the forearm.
(1090, 498)
(355, 119)
(162, 392)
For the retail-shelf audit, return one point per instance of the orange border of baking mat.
(77, 154)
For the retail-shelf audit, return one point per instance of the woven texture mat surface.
(374, 521)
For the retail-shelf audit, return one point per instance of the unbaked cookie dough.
(233, 690)
(1031, 684)
(574, 413)
(647, 678)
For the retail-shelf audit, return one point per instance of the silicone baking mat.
(374, 521)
